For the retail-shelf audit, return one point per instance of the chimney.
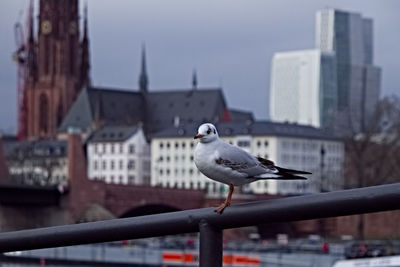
(176, 121)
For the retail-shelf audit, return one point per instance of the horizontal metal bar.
(338, 203)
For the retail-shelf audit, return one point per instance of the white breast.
(205, 162)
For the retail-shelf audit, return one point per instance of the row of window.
(259, 143)
(116, 179)
(167, 171)
(211, 187)
(176, 158)
(296, 159)
(96, 165)
(101, 148)
(176, 144)
(307, 146)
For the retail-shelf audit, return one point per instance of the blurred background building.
(335, 86)
(290, 145)
(303, 88)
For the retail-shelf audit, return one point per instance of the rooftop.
(113, 133)
(256, 128)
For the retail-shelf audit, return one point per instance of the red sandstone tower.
(57, 66)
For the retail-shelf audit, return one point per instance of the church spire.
(143, 80)
(85, 61)
(194, 80)
(31, 45)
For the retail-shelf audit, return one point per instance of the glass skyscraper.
(350, 37)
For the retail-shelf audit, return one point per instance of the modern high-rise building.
(350, 37)
(335, 84)
(303, 87)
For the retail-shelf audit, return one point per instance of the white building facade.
(303, 88)
(288, 145)
(119, 155)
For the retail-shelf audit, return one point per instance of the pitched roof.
(111, 133)
(106, 106)
(257, 128)
(157, 110)
(200, 105)
(241, 115)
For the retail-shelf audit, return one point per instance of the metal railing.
(209, 223)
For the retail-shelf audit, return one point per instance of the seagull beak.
(197, 136)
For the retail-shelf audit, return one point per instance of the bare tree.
(373, 155)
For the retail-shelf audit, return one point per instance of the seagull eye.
(208, 131)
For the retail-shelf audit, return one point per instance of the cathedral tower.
(58, 66)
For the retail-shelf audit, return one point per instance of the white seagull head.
(206, 133)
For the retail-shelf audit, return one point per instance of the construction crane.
(20, 57)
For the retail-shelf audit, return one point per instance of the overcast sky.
(229, 43)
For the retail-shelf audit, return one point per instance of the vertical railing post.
(210, 245)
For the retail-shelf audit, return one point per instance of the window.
(44, 116)
(243, 143)
(191, 171)
(168, 145)
(104, 148)
(265, 143)
(191, 144)
(183, 145)
(104, 164)
(131, 164)
(112, 148)
(176, 144)
(161, 171)
(120, 178)
(168, 172)
(168, 158)
(131, 149)
(121, 148)
(191, 158)
(161, 145)
(121, 164)
(160, 158)
(131, 179)
(95, 165)
(112, 165)
(95, 148)
(258, 143)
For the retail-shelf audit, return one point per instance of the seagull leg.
(227, 201)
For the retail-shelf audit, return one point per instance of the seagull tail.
(269, 176)
(283, 174)
(290, 171)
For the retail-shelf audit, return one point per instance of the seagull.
(231, 165)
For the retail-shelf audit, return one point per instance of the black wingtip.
(291, 171)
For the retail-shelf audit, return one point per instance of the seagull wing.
(237, 159)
